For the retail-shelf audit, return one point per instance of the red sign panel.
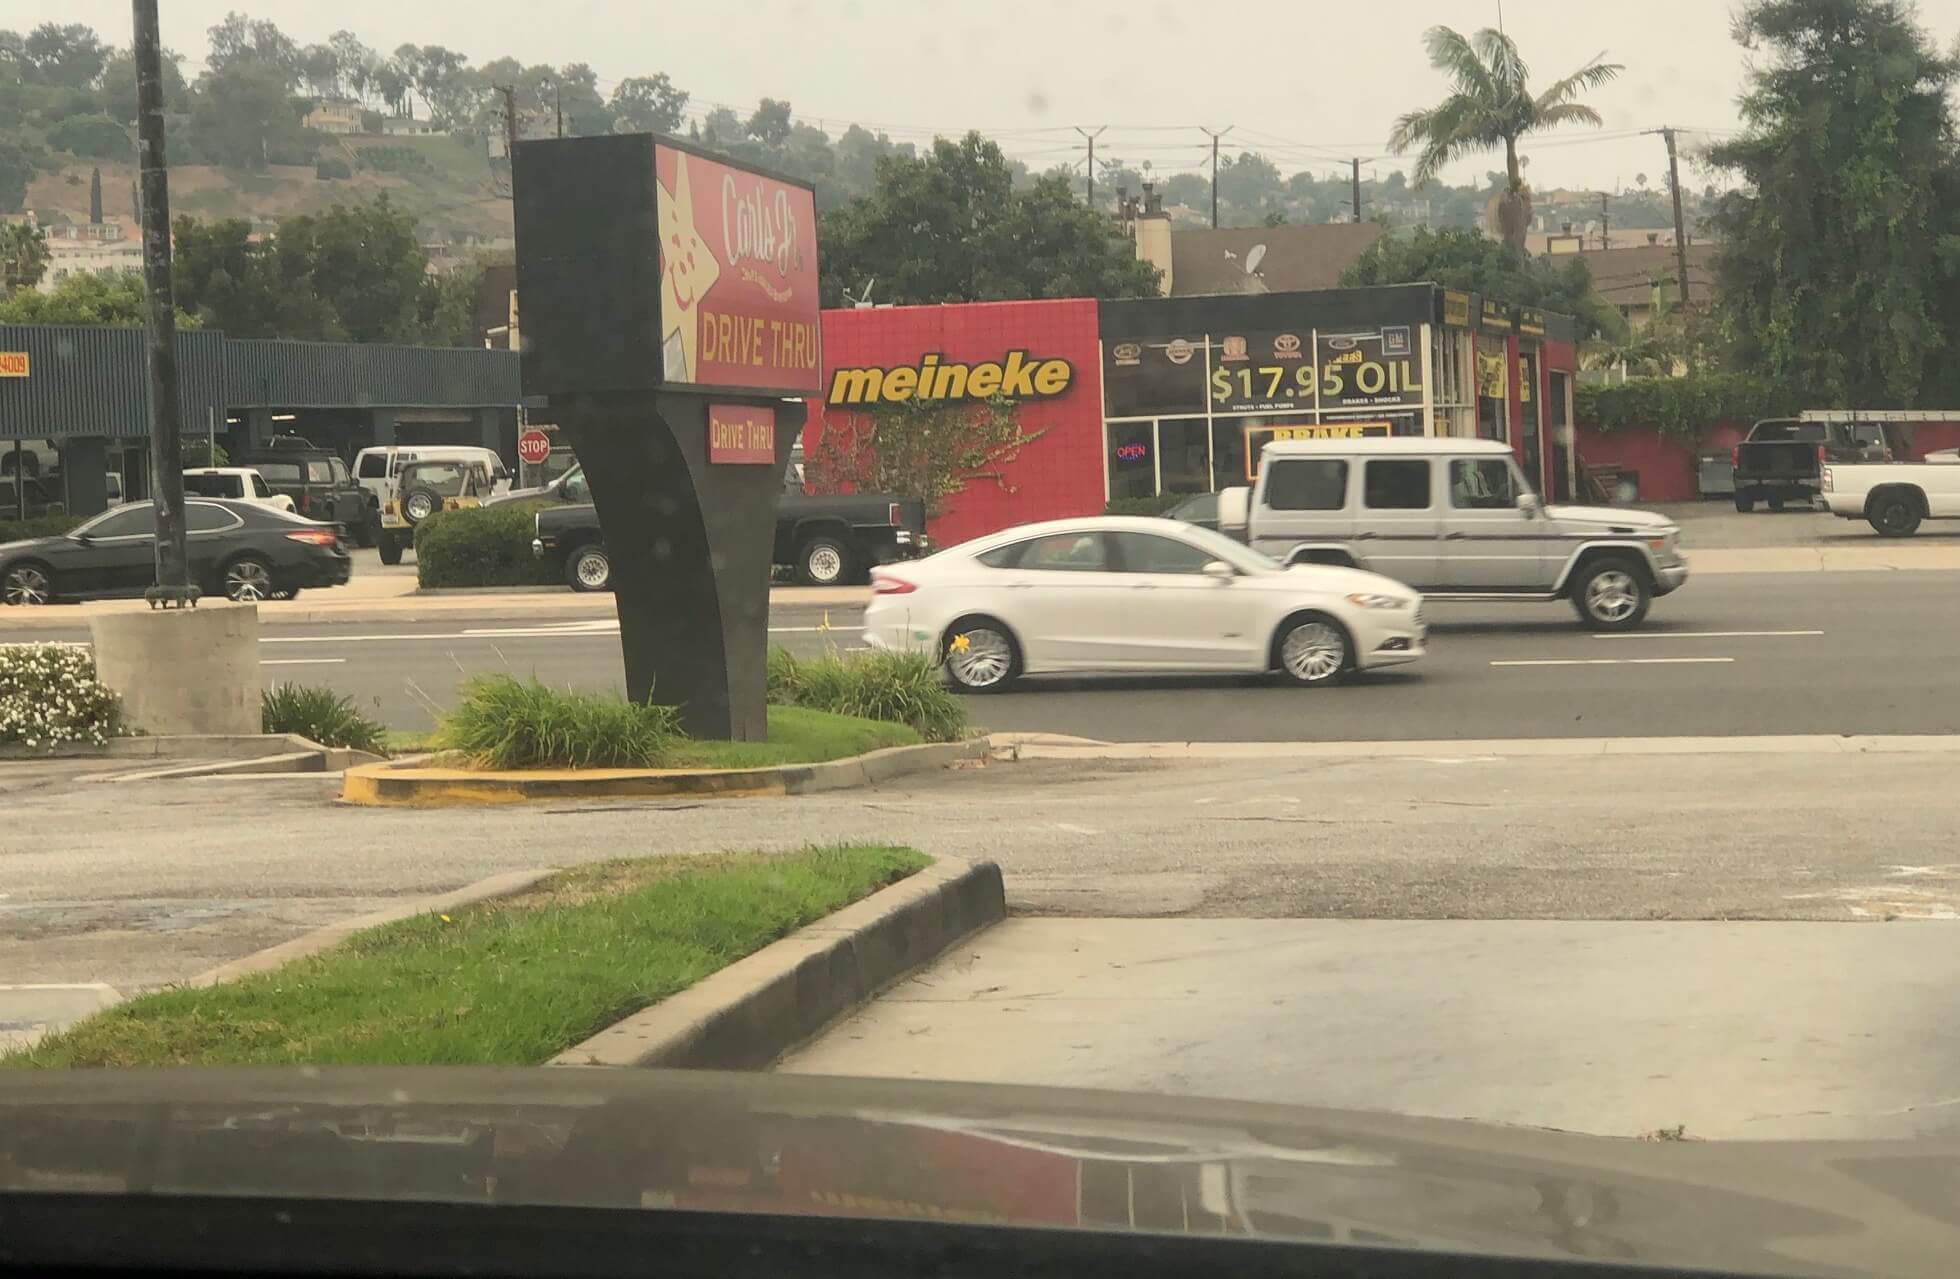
(533, 447)
(744, 434)
(738, 277)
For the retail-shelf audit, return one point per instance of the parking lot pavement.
(153, 882)
(1718, 525)
(1728, 1031)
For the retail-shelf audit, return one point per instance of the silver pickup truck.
(1455, 519)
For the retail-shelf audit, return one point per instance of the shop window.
(1308, 484)
(1183, 455)
(1228, 464)
(1132, 462)
(1401, 484)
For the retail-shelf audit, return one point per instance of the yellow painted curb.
(399, 786)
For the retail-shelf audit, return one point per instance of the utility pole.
(1680, 229)
(1214, 170)
(558, 95)
(1357, 189)
(173, 581)
(1092, 158)
(509, 95)
(1605, 222)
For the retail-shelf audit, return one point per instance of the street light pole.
(1215, 136)
(173, 580)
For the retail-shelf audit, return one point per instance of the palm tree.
(1490, 104)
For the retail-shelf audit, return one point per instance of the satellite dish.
(1254, 257)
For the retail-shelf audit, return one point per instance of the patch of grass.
(399, 741)
(500, 723)
(510, 982)
(903, 688)
(319, 715)
(796, 736)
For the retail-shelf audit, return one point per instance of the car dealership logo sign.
(1017, 377)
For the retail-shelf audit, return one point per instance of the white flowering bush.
(50, 697)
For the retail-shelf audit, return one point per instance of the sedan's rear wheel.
(248, 580)
(980, 655)
(27, 584)
(1313, 650)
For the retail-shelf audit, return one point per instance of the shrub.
(900, 688)
(1143, 505)
(328, 168)
(50, 697)
(319, 715)
(95, 136)
(500, 722)
(480, 546)
(1684, 407)
(37, 526)
(403, 160)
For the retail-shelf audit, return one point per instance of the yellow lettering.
(948, 382)
(1370, 373)
(857, 386)
(984, 382)
(1052, 377)
(900, 383)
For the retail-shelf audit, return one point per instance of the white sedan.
(1123, 594)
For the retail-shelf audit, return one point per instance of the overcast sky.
(1308, 83)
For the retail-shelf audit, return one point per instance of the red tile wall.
(1057, 476)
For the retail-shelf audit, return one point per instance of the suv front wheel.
(1612, 594)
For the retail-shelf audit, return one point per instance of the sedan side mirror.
(1530, 505)
(1220, 571)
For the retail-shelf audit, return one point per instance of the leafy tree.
(202, 450)
(95, 195)
(69, 55)
(117, 94)
(23, 256)
(94, 137)
(1460, 258)
(391, 80)
(770, 123)
(950, 227)
(355, 62)
(926, 448)
(246, 117)
(364, 263)
(1491, 104)
(115, 300)
(239, 41)
(319, 69)
(1840, 256)
(17, 166)
(648, 104)
(585, 110)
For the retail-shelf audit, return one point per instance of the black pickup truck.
(319, 484)
(1782, 459)
(824, 541)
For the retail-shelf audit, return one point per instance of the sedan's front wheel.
(248, 580)
(1313, 651)
(27, 584)
(980, 655)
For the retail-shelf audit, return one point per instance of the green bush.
(50, 697)
(1144, 505)
(319, 715)
(501, 723)
(406, 161)
(900, 688)
(480, 546)
(1684, 407)
(37, 526)
(327, 168)
(95, 136)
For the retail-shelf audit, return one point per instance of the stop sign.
(533, 447)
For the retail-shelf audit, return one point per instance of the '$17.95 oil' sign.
(1348, 371)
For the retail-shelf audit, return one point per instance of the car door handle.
(1455, 537)
(1364, 537)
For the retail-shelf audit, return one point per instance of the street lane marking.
(303, 661)
(1705, 635)
(1620, 661)
(515, 633)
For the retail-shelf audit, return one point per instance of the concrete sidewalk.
(1749, 1030)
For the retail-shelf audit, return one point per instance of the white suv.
(378, 469)
(1457, 520)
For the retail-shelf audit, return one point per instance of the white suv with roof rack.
(1456, 519)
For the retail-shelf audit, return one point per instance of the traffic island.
(523, 977)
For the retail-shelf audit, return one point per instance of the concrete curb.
(254, 746)
(508, 884)
(1022, 746)
(411, 786)
(756, 1009)
(316, 761)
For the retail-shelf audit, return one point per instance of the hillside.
(445, 181)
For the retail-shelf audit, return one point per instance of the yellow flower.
(959, 645)
(444, 918)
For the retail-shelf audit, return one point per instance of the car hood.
(1610, 517)
(8, 549)
(775, 1143)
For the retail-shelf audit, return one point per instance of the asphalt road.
(1733, 654)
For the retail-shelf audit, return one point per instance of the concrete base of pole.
(183, 670)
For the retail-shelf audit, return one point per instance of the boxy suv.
(1455, 519)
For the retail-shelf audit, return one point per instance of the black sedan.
(237, 549)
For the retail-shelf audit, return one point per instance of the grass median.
(507, 982)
